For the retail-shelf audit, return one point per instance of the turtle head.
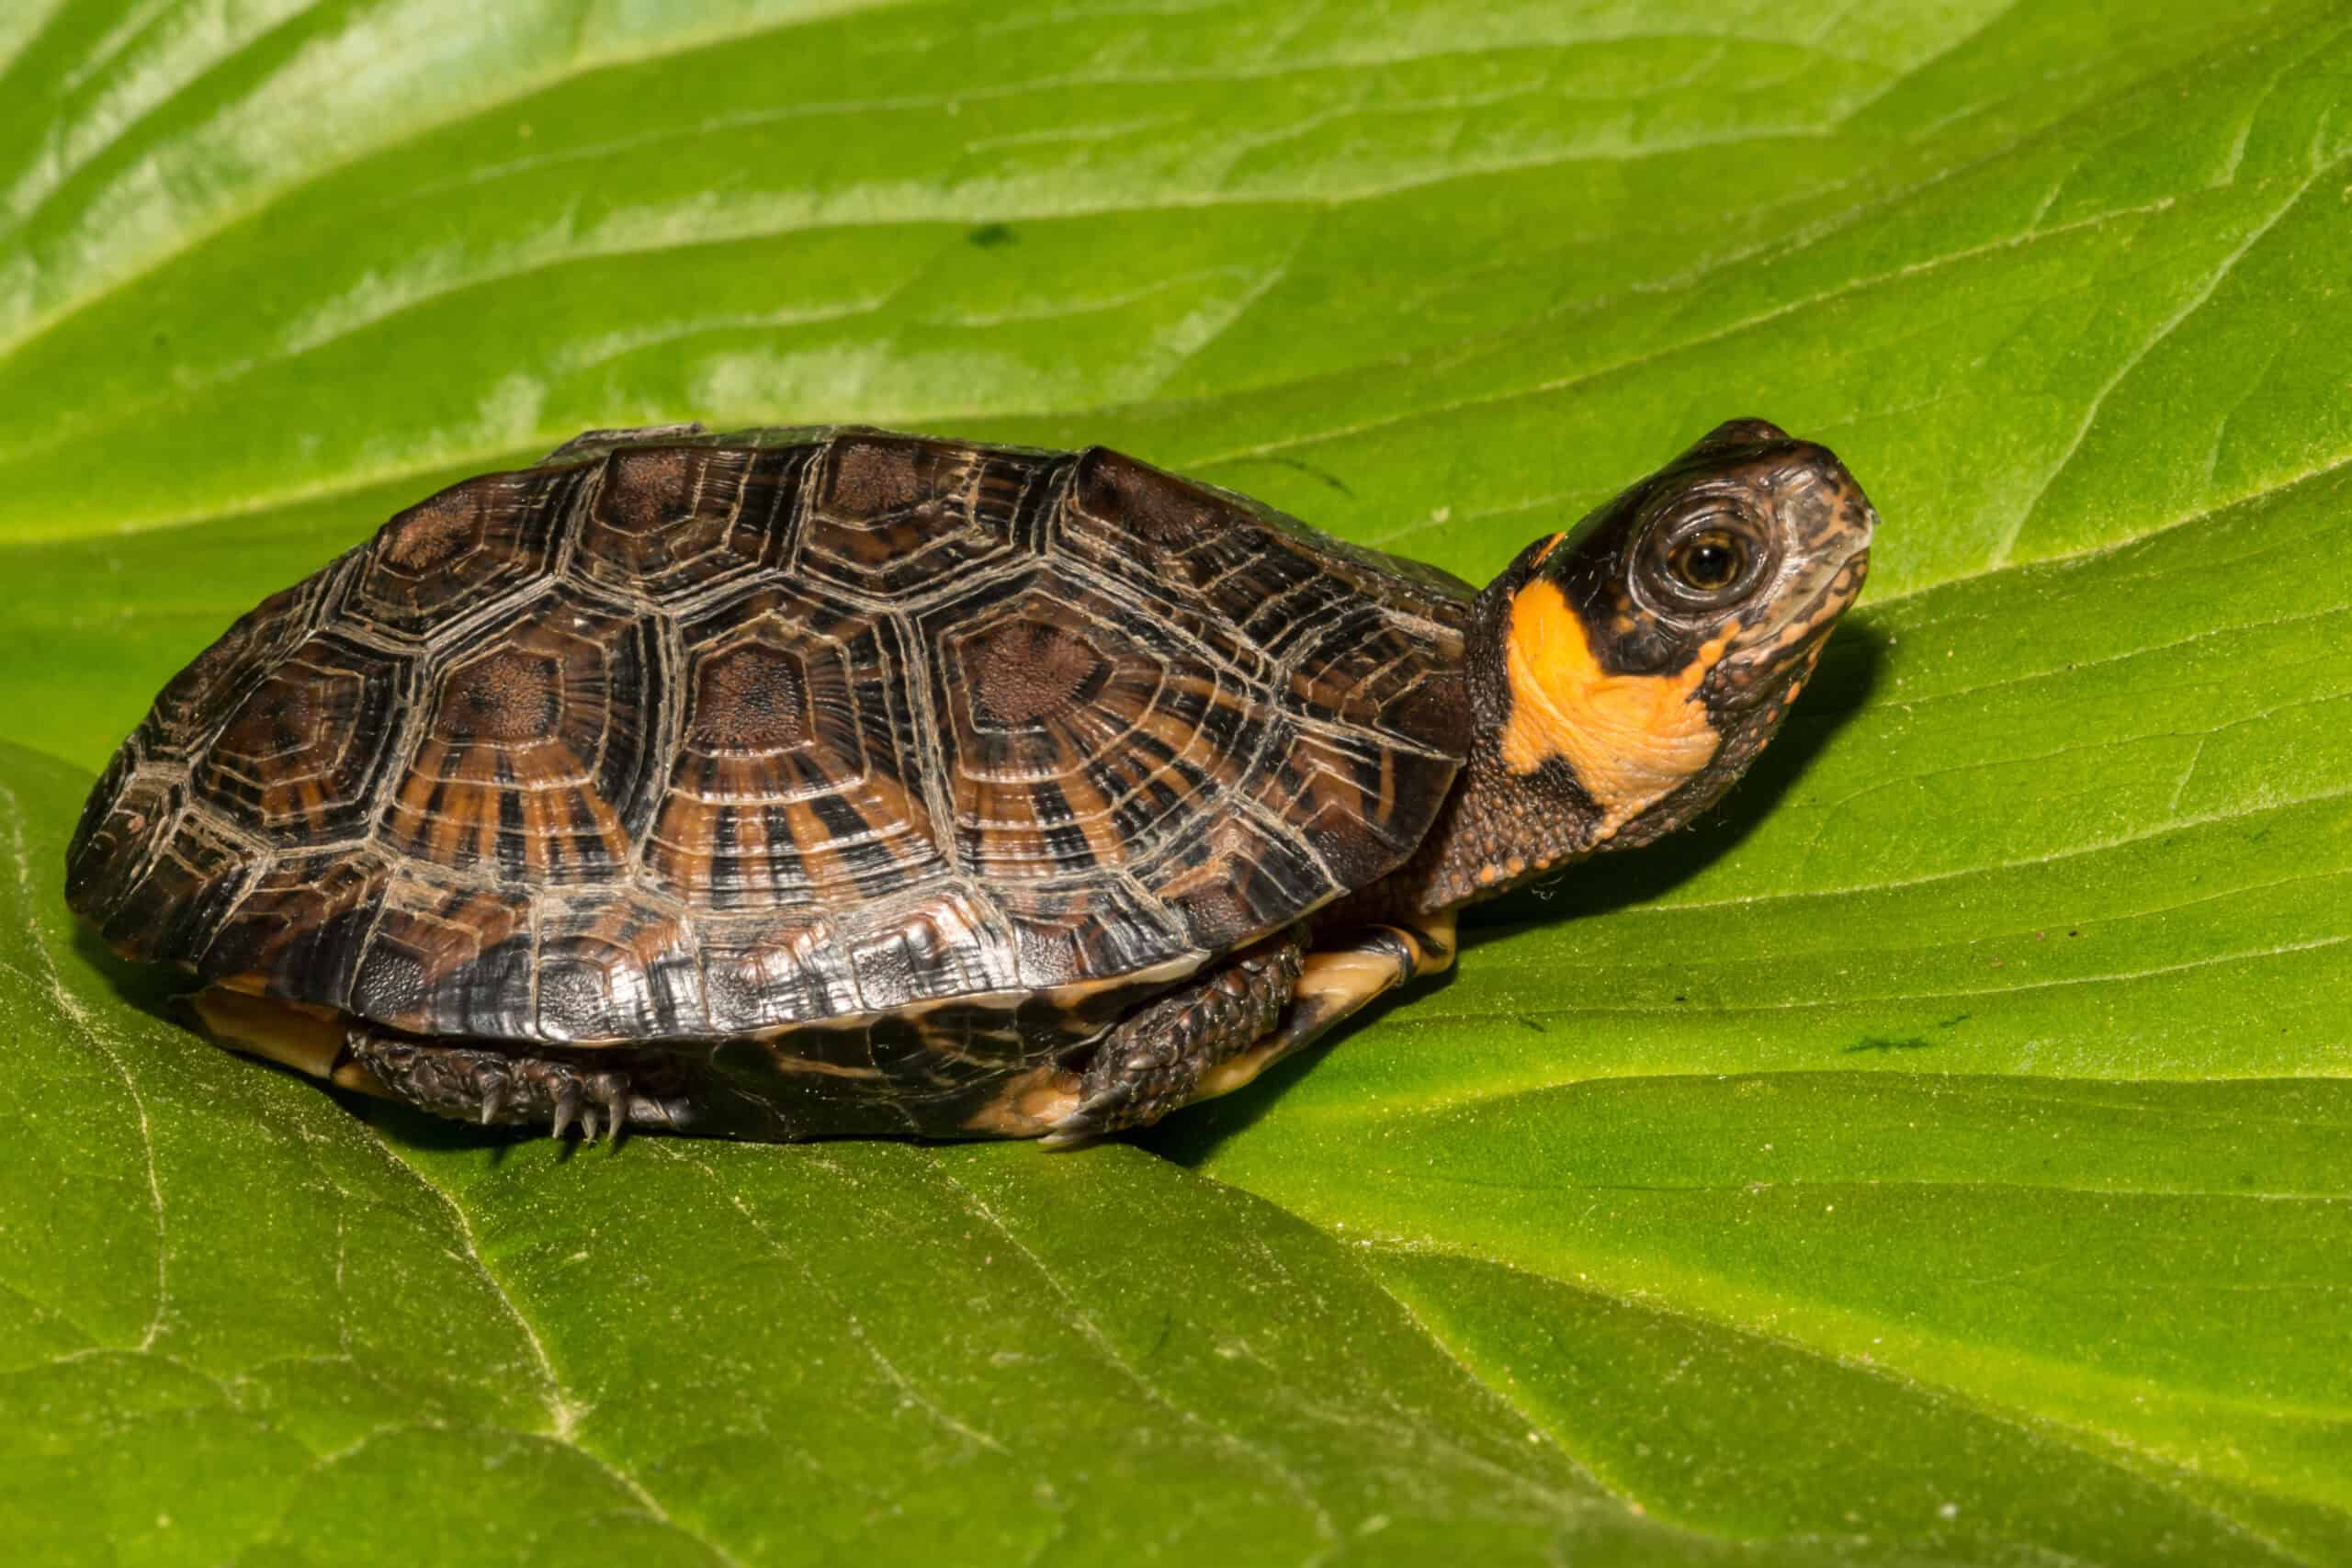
(1652, 650)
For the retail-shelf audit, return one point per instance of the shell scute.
(1078, 931)
(1237, 872)
(1079, 724)
(794, 781)
(191, 706)
(1338, 793)
(303, 923)
(762, 974)
(900, 516)
(614, 969)
(128, 819)
(1209, 554)
(456, 555)
(178, 900)
(1366, 673)
(302, 752)
(444, 958)
(939, 947)
(670, 522)
(533, 745)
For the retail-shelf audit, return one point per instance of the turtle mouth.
(1753, 671)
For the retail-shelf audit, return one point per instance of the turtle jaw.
(1768, 668)
(1748, 695)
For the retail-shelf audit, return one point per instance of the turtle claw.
(1091, 1118)
(610, 1092)
(1134, 1088)
(567, 1106)
(495, 1088)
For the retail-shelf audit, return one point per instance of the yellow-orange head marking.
(1631, 739)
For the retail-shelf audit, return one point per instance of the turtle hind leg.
(467, 1083)
(1153, 1060)
(594, 1090)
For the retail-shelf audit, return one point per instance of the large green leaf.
(1943, 1154)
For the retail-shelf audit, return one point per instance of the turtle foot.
(467, 1083)
(1152, 1061)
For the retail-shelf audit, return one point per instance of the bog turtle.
(791, 783)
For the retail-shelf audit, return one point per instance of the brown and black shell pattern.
(725, 737)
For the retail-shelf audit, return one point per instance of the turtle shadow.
(161, 994)
(422, 1130)
(1851, 668)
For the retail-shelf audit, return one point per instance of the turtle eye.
(1709, 562)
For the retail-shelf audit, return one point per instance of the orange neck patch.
(1631, 739)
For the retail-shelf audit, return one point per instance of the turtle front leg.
(1335, 982)
(1212, 1037)
(1152, 1061)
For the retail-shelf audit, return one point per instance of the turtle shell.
(707, 736)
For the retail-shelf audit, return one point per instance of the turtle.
(787, 783)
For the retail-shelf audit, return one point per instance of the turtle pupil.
(1710, 562)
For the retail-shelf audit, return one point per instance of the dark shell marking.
(869, 753)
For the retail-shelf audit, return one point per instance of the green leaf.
(1942, 1153)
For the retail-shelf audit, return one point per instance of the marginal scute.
(1236, 872)
(448, 959)
(128, 821)
(194, 879)
(942, 946)
(1066, 934)
(770, 971)
(615, 969)
(905, 759)
(303, 923)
